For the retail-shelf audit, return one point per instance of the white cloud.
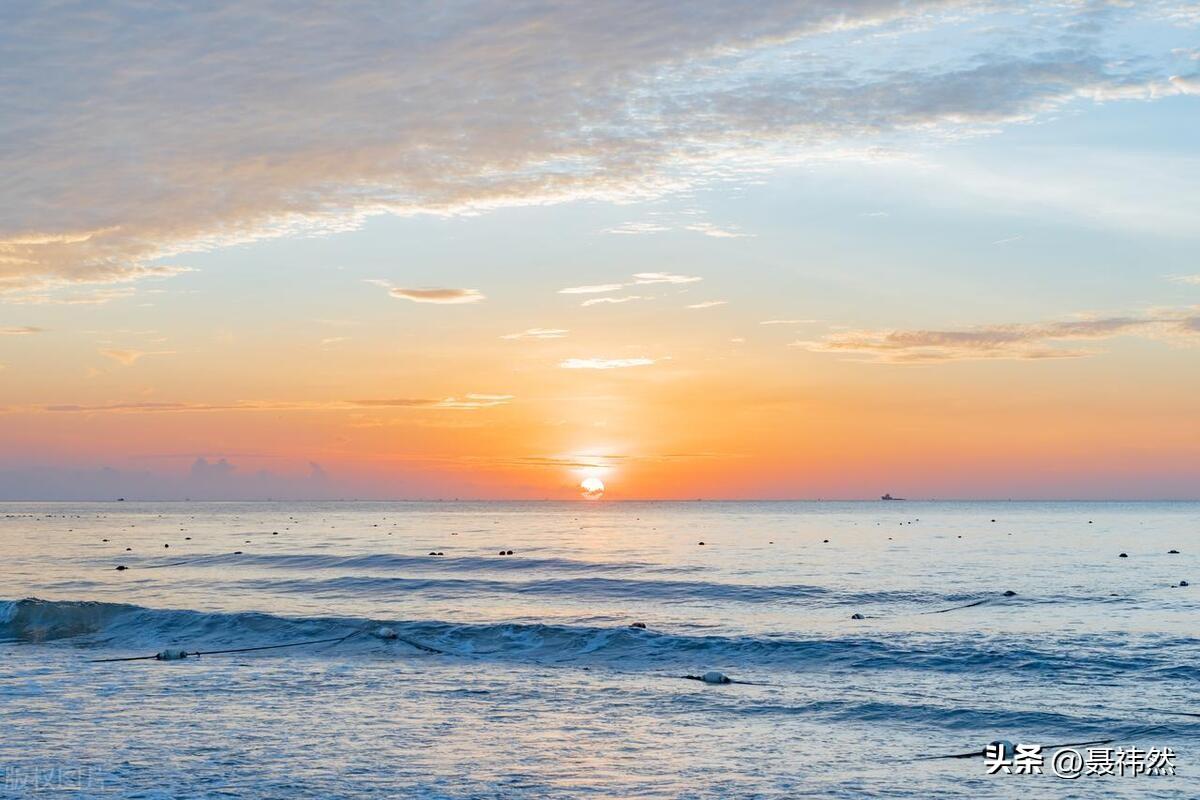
(715, 231)
(1192, 279)
(663, 277)
(599, 288)
(595, 301)
(605, 363)
(538, 333)
(22, 330)
(442, 296)
(708, 304)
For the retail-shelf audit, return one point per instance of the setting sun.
(593, 488)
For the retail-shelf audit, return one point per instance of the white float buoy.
(712, 676)
(171, 654)
(387, 633)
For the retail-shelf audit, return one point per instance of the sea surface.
(470, 674)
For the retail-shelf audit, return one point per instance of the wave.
(136, 630)
(393, 561)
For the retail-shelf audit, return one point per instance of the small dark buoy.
(509, 553)
(121, 568)
(1184, 583)
(1123, 555)
(104, 540)
(237, 552)
(1089, 522)
(825, 541)
(993, 520)
(639, 625)
(500, 553)
(440, 553)
(166, 545)
(276, 533)
(1010, 593)
(1169, 552)
(857, 616)
(700, 543)
(432, 553)
(187, 538)
(128, 549)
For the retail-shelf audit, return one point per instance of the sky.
(779, 250)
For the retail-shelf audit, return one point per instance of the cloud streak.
(1017, 341)
(538, 333)
(605, 363)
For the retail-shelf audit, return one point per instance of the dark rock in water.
(121, 568)
(857, 616)
(1123, 555)
(640, 625)
(1010, 593)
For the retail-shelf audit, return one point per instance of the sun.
(593, 487)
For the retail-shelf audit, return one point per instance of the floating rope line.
(1007, 748)
(175, 655)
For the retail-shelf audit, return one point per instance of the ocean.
(438, 668)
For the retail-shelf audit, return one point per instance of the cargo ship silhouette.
(889, 497)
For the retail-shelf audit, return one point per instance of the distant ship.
(889, 497)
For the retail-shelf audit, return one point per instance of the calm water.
(519, 676)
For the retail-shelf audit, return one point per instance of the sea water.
(520, 675)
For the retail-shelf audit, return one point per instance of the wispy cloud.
(1194, 280)
(787, 322)
(637, 228)
(596, 301)
(716, 231)
(605, 363)
(129, 357)
(1020, 341)
(538, 333)
(22, 330)
(663, 277)
(599, 288)
(443, 296)
(708, 304)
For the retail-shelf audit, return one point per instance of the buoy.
(1010, 593)
(712, 676)
(639, 625)
(1169, 552)
(387, 633)
(1006, 748)
(701, 544)
(1123, 555)
(121, 568)
(171, 655)
(1184, 583)
(857, 616)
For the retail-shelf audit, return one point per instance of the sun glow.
(593, 487)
